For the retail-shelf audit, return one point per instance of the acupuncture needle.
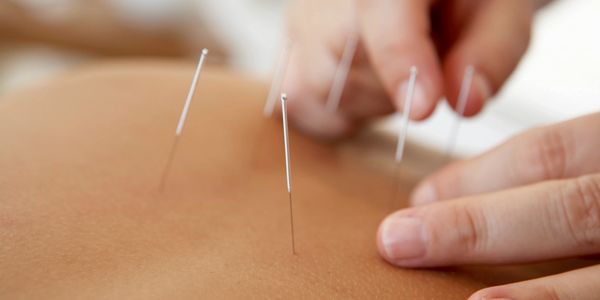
(278, 78)
(288, 167)
(408, 100)
(183, 118)
(341, 74)
(463, 97)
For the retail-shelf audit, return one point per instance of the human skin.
(440, 38)
(534, 198)
(82, 217)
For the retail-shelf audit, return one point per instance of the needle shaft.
(341, 74)
(190, 96)
(182, 119)
(288, 167)
(169, 163)
(395, 185)
(292, 223)
(408, 100)
(463, 97)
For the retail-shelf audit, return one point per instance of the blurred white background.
(558, 79)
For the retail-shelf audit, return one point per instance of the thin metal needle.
(463, 97)
(190, 96)
(408, 100)
(182, 119)
(406, 114)
(278, 78)
(288, 167)
(167, 169)
(341, 74)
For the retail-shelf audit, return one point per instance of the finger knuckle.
(548, 292)
(471, 233)
(545, 155)
(580, 204)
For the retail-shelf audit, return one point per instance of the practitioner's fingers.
(306, 86)
(320, 32)
(312, 65)
(396, 34)
(559, 151)
(554, 219)
(493, 42)
(582, 284)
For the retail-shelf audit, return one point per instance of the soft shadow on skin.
(498, 275)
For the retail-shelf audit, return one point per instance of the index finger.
(554, 219)
(559, 151)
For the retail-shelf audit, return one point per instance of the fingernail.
(420, 105)
(402, 238)
(482, 86)
(424, 194)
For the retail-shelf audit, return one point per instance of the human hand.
(535, 198)
(441, 38)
